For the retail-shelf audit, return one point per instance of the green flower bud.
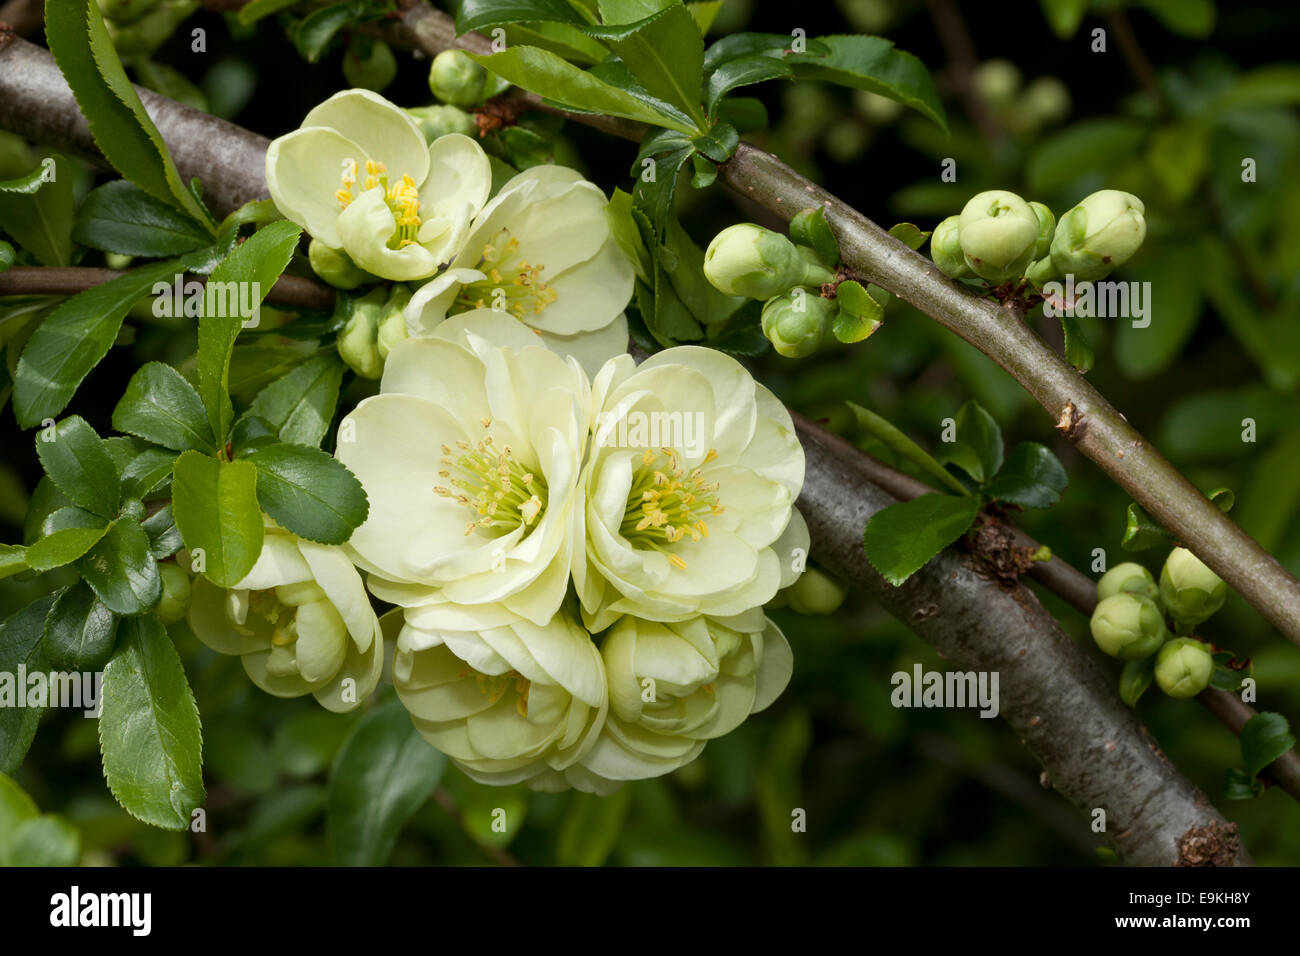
(368, 63)
(125, 11)
(1046, 100)
(815, 592)
(1042, 272)
(749, 260)
(1046, 229)
(1127, 578)
(435, 121)
(456, 79)
(1128, 626)
(392, 323)
(795, 321)
(1191, 592)
(1097, 235)
(1183, 667)
(358, 343)
(945, 250)
(334, 266)
(996, 81)
(998, 234)
(175, 602)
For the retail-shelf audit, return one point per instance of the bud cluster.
(375, 326)
(1133, 617)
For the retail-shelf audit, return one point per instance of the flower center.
(403, 199)
(666, 505)
(498, 490)
(495, 686)
(283, 617)
(512, 284)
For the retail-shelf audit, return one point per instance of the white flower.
(358, 176)
(470, 456)
(674, 687)
(689, 490)
(517, 702)
(300, 621)
(543, 251)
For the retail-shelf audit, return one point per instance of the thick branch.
(1093, 748)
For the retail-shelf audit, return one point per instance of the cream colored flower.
(674, 687)
(470, 456)
(517, 702)
(689, 491)
(358, 176)
(541, 250)
(300, 622)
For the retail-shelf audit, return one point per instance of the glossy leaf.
(160, 406)
(216, 509)
(902, 538)
(309, 492)
(121, 217)
(79, 630)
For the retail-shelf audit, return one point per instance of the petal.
(458, 170)
(364, 229)
(591, 349)
(391, 136)
(279, 562)
(428, 307)
(322, 641)
(344, 588)
(303, 172)
(775, 671)
(589, 294)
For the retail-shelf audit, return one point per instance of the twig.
(288, 290)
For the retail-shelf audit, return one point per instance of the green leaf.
(217, 512)
(477, 14)
(80, 467)
(701, 298)
(1078, 352)
(743, 71)
(875, 65)
(1136, 678)
(164, 537)
(79, 630)
(810, 228)
(257, 9)
(13, 559)
(383, 773)
(170, 82)
(1086, 150)
(665, 52)
(909, 235)
(122, 129)
(72, 340)
(1032, 477)
(859, 314)
(591, 828)
(1265, 737)
(1141, 532)
(317, 28)
(1064, 16)
(654, 197)
(901, 539)
(20, 645)
(309, 492)
(978, 448)
(40, 221)
(255, 266)
(1225, 498)
(121, 217)
(160, 406)
(1172, 313)
(897, 442)
(27, 184)
(149, 730)
(146, 472)
(546, 74)
(1189, 18)
(121, 568)
(1239, 786)
(562, 39)
(62, 547)
(718, 144)
(300, 404)
(15, 807)
(47, 840)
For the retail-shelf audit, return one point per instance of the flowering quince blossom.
(541, 250)
(516, 702)
(300, 622)
(359, 176)
(471, 455)
(675, 686)
(675, 532)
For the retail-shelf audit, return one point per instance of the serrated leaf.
(62, 547)
(897, 442)
(546, 74)
(79, 630)
(477, 14)
(300, 404)
(164, 537)
(122, 129)
(383, 773)
(72, 339)
(1264, 738)
(121, 569)
(665, 52)
(216, 509)
(705, 303)
(1141, 531)
(978, 448)
(1078, 351)
(160, 406)
(40, 220)
(318, 28)
(20, 646)
(146, 472)
(80, 467)
(149, 730)
(742, 71)
(309, 492)
(121, 217)
(901, 539)
(873, 64)
(810, 228)
(1032, 477)
(255, 265)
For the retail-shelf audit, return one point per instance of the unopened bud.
(1099, 234)
(1127, 578)
(1128, 626)
(175, 601)
(392, 323)
(1046, 229)
(945, 250)
(815, 592)
(358, 342)
(998, 234)
(368, 63)
(795, 321)
(456, 79)
(758, 263)
(435, 121)
(1184, 667)
(334, 266)
(1191, 592)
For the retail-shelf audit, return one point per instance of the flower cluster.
(1132, 614)
(382, 202)
(581, 563)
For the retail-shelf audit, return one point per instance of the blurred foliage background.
(1183, 93)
